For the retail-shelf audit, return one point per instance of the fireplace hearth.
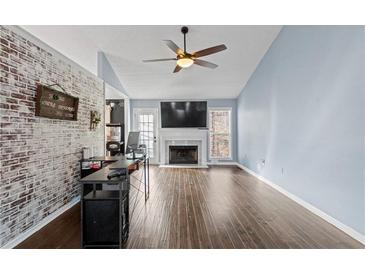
(183, 154)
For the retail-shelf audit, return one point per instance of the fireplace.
(183, 154)
(184, 137)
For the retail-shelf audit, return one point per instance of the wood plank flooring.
(220, 207)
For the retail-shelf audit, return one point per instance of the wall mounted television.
(184, 114)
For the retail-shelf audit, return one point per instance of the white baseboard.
(348, 230)
(20, 238)
(226, 163)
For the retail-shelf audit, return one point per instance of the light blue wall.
(211, 103)
(303, 112)
(107, 73)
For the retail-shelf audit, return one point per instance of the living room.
(182, 136)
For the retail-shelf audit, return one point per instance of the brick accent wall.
(39, 156)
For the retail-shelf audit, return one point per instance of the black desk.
(105, 210)
(91, 165)
(118, 162)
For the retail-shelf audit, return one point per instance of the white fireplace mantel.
(181, 137)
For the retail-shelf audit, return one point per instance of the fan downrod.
(184, 30)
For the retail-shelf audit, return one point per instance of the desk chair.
(132, 142)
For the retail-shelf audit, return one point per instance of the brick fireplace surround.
(39, 156)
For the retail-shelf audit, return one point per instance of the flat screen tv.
(184, 114)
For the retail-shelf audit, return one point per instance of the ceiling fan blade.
(205, 64)
(209, 51)
(174, 47)
(177, 68)
(159, 60)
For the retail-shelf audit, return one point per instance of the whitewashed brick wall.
(39, 156)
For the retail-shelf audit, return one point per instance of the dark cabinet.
(105, 217)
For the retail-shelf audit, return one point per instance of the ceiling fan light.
(185, 62)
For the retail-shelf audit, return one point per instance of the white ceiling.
(126, 47)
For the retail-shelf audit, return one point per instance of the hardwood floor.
(220, 207)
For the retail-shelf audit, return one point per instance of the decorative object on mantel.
(95, 119)
(54, 104)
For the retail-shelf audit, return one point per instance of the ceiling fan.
(184, 59)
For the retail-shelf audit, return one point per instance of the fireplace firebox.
(183, 154)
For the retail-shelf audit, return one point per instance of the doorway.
(145, 120)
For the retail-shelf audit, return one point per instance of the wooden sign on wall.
(54, 104)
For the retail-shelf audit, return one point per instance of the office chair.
(132, 142)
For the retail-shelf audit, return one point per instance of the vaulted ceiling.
(126, 46)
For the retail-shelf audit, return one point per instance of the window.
(220, 139)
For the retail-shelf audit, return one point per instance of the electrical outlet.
(282, 171)
(261, 164)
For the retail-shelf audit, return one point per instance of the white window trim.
(230, 133)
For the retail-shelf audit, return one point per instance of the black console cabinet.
(105, 214)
